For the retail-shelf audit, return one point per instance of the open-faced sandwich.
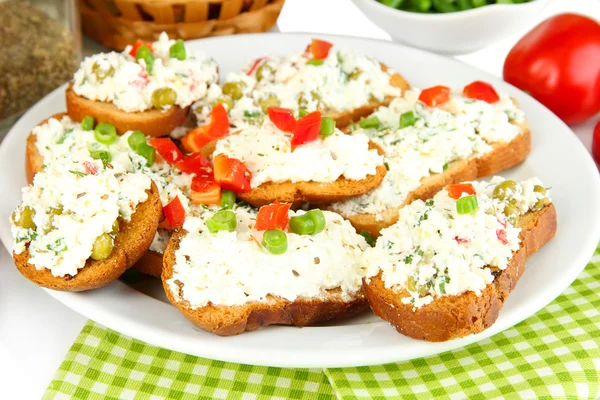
(238, 270)
(445, 268)
(344, 85)
(82, 223)
(148, 87)
(432, 138)
(185, 184)
(295, 161)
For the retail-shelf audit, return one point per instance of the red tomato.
(218, 128)
(195, 163)
(434, 96)
(558, 63)
(456, 190)
(174, 213)
(596, 144)
(136, 46)
(205, 190)
(320, 49)
(501, 235)
(273, 216)
(283, 118)
(308, 128)
(167, 149)
(255, 65)
(479, 90)
(232, 174)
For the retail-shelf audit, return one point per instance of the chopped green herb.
(408, 259)
(252, 114)
(78, 173)
(445, 167)
(387, 166)
(429, 203)
(57, 246)
(368, 238)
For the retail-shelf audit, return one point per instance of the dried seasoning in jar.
(39, 53)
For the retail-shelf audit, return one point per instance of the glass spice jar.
(40, 45)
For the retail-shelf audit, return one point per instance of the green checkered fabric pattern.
(553, 354)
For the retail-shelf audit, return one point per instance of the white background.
(36, 331)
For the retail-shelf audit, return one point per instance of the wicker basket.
(117, 23)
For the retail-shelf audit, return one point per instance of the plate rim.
(342, 358)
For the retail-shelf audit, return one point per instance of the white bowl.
(452, 33)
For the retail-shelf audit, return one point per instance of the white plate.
(558, 158)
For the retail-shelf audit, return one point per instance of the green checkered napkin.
(553, 354)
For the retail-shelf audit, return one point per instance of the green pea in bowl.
(451, 33)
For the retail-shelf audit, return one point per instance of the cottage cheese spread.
(433, 251)
(72, 203)
(59, 139)
(267, 153)
(120, 79)
(232, 268)
(463, 129)
(345, 81)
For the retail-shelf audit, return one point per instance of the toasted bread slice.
(152, 122)
(502, 156)
(151, 263)
(450, 317)
(130, 244)
(232, 320)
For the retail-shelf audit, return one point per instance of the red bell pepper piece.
(273, 216)
(232, 174)
(456, 190)
(195, 163)
(320, 49)
(174, 213)
(434, 96)
(283, 118)
(138, 43)
(167, 149)
(205, 190)
(308, 128)
(479, 90)
(217, 129)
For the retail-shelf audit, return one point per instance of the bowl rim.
(473, 12)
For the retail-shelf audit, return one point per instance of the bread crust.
(233, 320)
(33, 158)
(153, 122)
(130, 244)
(502, 156)
(450, 317)
(151, 263)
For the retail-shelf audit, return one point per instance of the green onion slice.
(87, 124)
(318, 218)
(148, 153)
(327, 126)
(407, 119)
(223, 220)
(178, 50)
(371, 122)
(302, 225)
(105, 133)
(275, 241)
(314, 62)
(302, 112)
(368, 238)
(227, 199)
(103, 155)
(467, 205)
(136, 140)
(145, 54)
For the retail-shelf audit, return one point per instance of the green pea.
(178, 50)
(503, 187)
(25, 220)
(164, 97)
(540, 189)
(225, 100)
(100, 73)
(103, 247)
(269, 101)
(144, 53)
(262, 70)
(115, 227)
(411, 284)
(233, 90)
